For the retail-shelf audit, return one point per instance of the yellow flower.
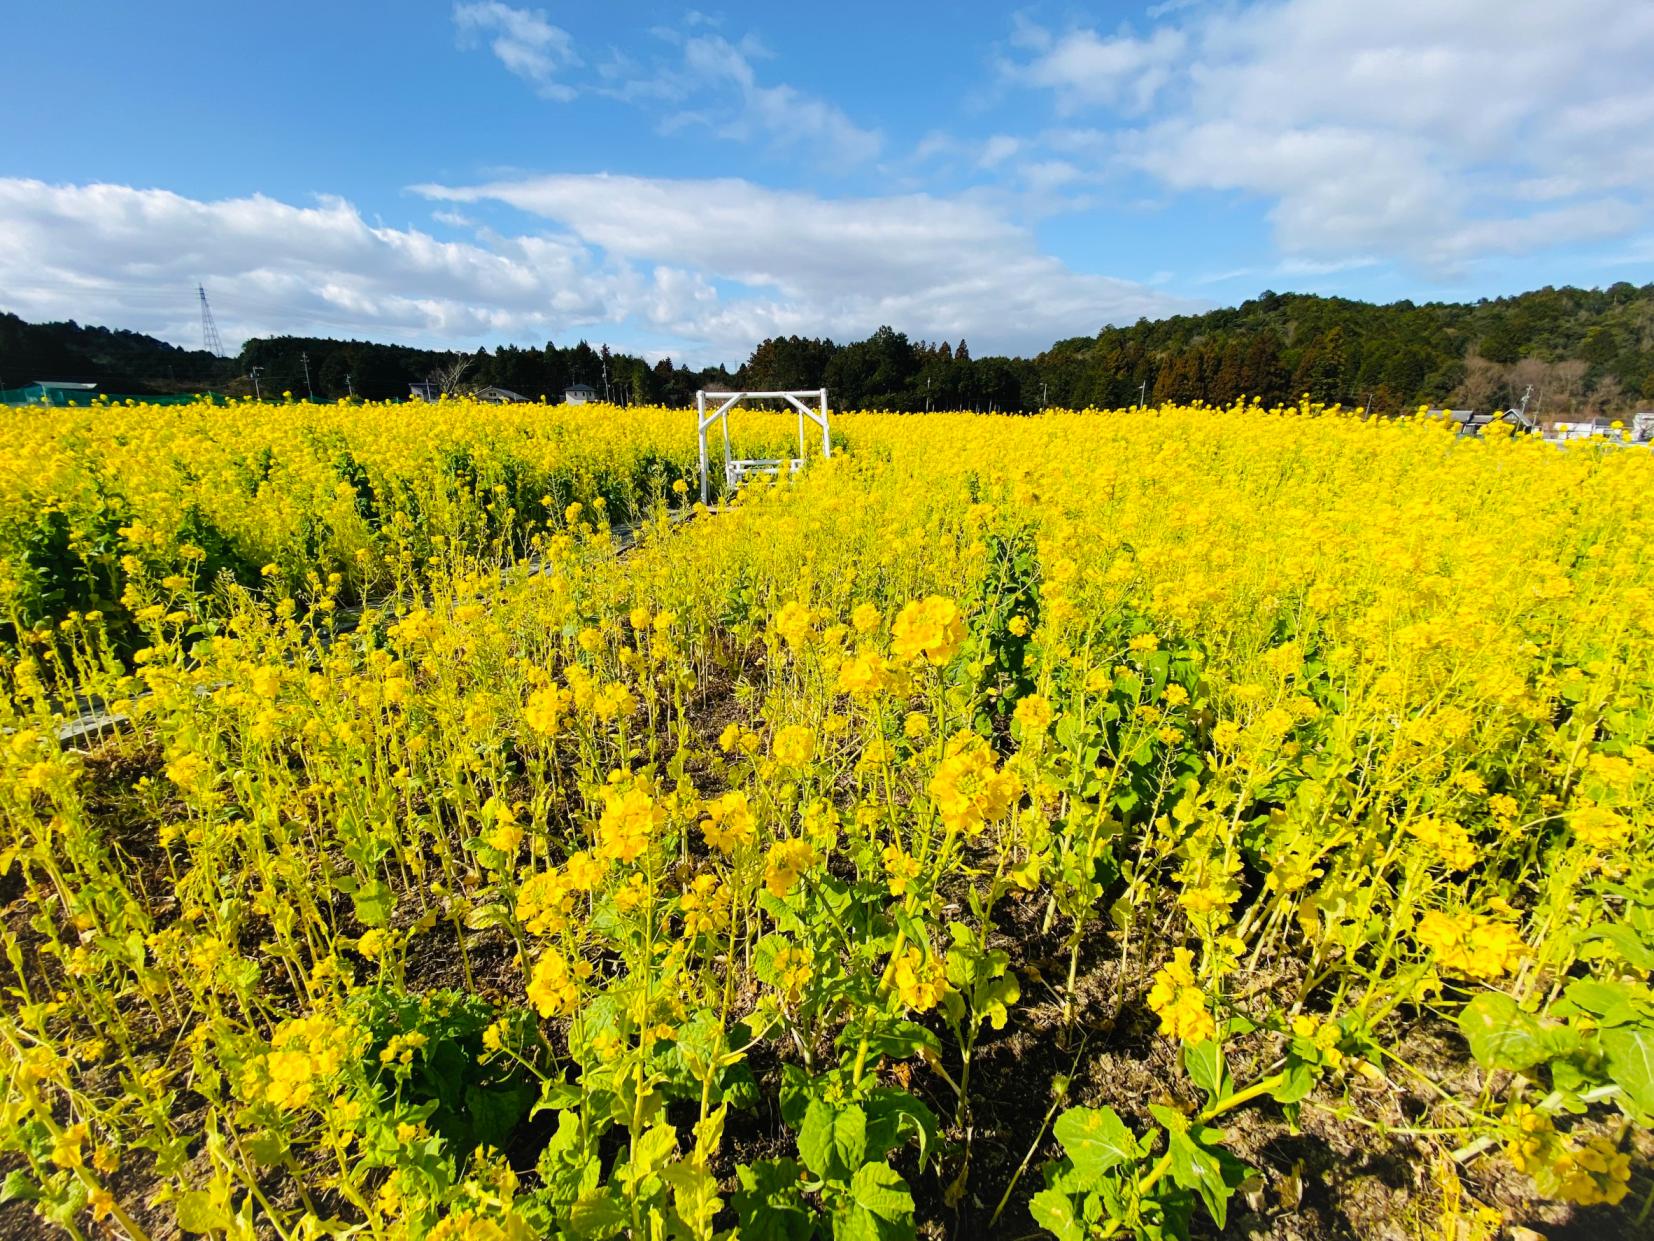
(544, 903)
(551, 987)
(864, 674)
(930, 629)
(629, 820)
(784, 863)
(66, 1147)
(793, 623)
(793, 746)
(794, 967)
(919, 982)
(1470, 944)
(968, 790)
(305, 1053)
(544, 709)
(1018, 625)
(864, 618)
(1178, 1001)
(582, 872)
(729, 824)
(631, 894)
(1600, 828)
(614, 701)
(705, 907)
(900, 869)
(1034, 714)
(1447, 839)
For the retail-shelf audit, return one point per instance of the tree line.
(1578, 351)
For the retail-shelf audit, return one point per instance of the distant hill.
(117, 360)
(1583, 351)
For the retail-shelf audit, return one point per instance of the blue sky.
(686, 182)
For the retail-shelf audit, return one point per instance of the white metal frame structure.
(737, 469)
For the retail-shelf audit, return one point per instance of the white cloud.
(934, 267)
(1417, 130)
(718, 75)
(780, 114)
(524, 42)
(704, 269)
(1084, 68)
(131, 257)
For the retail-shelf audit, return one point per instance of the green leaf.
(653, 1149)
(599, 1214)
(894, 1114)
(1198, 1164)
(1298, 1079)
(1630, 946)
(797, 1089)
(566, 1168)
(783, 915)
(832, 1141)
(495, 1111)
(266, 1147)
(556, 1095)
(197, 1212)
(763, 958)
(373, 902)
(1095, 1140)
(1053, 1212)
(902, 1039)
(1208, 1069)
(996, 997)
(1630, 1053)
(19, 1187)
(1502, 1036)
(877, 1208)
(770, 1206)
(1613, 1003)
(694, 1197)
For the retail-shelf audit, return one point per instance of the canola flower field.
(1181, 822)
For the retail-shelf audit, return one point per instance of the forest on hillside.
(1580, 351)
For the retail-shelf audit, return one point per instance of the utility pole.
(210, 339)
(1042, 388)
(1142, 393)
(304, 361)
(349, 386)
(258, 394)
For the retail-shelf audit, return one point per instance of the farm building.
(1471, 422)
(50, 392)
(579, 394)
